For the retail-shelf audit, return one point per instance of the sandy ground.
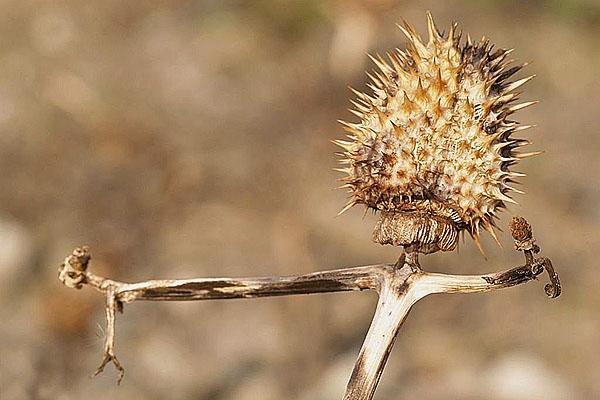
(187, 139)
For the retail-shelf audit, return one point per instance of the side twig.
(399, 286)
(109, 353)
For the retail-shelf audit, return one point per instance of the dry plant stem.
(399, 286)
(358, 278)
(109, 354)
(400, 291)
(393, 306)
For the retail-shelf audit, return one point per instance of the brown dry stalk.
(399, 286)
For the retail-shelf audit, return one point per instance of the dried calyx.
(433, 148)
(72, 270)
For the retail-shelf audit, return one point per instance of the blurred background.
(192, 139)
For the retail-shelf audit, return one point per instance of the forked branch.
(399, 286)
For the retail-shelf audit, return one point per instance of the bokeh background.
(192, 139)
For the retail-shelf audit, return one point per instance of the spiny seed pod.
(433, 148)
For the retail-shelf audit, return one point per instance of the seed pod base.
(422, 232)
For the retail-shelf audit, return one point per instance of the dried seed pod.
(433, 148)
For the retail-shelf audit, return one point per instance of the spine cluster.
(434, 146)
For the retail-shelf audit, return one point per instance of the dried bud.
(523, 235)
(71, 272)
(520, 229)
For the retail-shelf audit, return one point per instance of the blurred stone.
(260, 386)
(15, 251)
(74, 95)
(333, 381)
(523, 376)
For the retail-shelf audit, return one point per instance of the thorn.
(342, 170)
(360, 107)
(383, 78)
(360, 94)
(348, 206)
(439, 77)
(420, 93)
(518, 83)
(523, 127)
(506, 98)
(376, 81)
(400, 54)
(359, 114)
(356, 92)
(343, 144)
(507, 199)
(407, 104)
(396, 63)
(414, 38)
(381, 64)
(434, 33)
(530, 154)
(512, 188)
(346, 186)
(452, 31)
(522, 142)
(475, 237)
(490, 228)
(407, 29)
(365, 213)
(350, 127)
(503, 145)
(381, 115)
(517, 174)
(518, 107)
